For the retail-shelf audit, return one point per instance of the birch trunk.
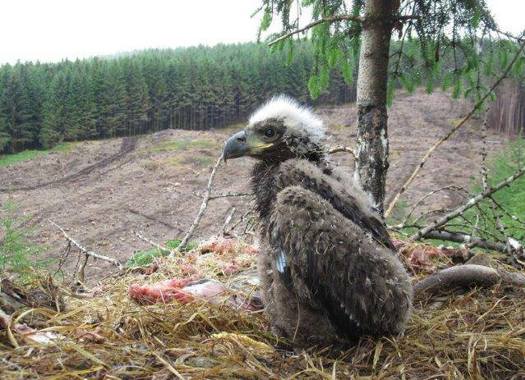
(372, 136)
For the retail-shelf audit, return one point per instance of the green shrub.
(27, 155)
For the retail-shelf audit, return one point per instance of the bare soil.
(103, 191)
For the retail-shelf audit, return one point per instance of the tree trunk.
(372, 137)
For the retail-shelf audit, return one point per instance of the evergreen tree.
(55, 125)
(193, 88)
(346, 35)
(138, 104)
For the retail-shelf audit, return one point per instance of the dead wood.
(203, 207)
(160, 247)
(227, 220)
(230, 194)
(472, 241)
(467, 276)
(469, 204)
(87, 252)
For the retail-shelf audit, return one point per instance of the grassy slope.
(26, 155)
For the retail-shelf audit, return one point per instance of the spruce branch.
(333, 19)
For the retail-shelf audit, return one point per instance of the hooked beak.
(235, 146)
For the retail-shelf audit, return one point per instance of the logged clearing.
(103, 191)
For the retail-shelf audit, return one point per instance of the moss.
(145, 258)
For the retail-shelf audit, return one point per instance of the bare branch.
(473, 241)
(507, 34)
(227, 220)
(149, 241)
(241, 219)
(421, 200)
(484, 169)
(231, 194)
(203, 207)
(85, 251)
(452, 131)
(470, 203)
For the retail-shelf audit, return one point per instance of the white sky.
(51, 30)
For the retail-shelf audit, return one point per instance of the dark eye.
(269, 132)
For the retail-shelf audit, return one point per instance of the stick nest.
(477, 334)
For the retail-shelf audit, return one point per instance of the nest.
(105, 335)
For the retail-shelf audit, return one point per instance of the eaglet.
(327, 266)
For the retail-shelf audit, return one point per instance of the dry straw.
(473, 335)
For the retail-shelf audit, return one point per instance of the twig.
(230, 194)
(484, 169)
(452, 131)
(241, 219)
(507, 34)
(511, 216)
(81, 273)
(203, 207)
(470, 203)
(227, 220)
(421, 200)
(473, 241)
(149, 241)
(85, 251)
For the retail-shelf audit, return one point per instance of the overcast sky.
(51, 30)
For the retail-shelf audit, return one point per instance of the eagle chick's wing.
(351, 202)
(329, 263)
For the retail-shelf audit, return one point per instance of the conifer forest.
(186, 88)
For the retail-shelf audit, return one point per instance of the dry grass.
(478, 334)
(177, 145)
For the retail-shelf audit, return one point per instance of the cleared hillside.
(103, 191)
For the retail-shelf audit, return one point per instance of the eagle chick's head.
(279, 130)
